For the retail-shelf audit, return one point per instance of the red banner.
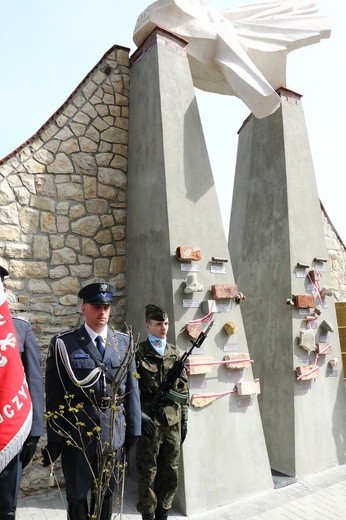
(15, 401)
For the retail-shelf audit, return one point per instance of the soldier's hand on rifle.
(50, 454)
(183, 431)
(148, 426)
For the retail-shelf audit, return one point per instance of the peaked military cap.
(97, 293)
(3, 273)
(154, 312)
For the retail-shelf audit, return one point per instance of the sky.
(47, 47)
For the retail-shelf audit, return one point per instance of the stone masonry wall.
(63, 210)
(336, 258)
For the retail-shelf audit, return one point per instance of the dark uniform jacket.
(31, 360)
(59, 385)
(152, 369)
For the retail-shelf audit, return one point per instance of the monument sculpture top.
(240, 51)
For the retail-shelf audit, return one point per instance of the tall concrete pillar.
(276, 238)
(172, 202)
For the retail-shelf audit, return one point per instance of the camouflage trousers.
(157, 461)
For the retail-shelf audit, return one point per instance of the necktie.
(99, 344)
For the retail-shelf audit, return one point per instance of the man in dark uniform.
(31, 359)
(91, 392)
(157, 456)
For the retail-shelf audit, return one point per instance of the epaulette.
(20, 318)
(53, 343)
(69, 331)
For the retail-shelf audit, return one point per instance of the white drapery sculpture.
(240, 51)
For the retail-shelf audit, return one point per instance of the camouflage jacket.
(152, 369)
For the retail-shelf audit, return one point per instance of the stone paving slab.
(318, 497)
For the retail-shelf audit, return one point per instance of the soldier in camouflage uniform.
(158, 449)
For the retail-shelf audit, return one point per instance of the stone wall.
(63, 202)
(336, 257)
(63, 209)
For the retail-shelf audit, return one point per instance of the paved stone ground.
(319, 497)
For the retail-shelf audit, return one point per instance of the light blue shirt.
(158, 344)
(93, 335)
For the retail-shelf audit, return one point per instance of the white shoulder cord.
(88, 381)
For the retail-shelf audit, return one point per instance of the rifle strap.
(176, 397)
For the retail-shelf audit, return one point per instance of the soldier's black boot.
(148, 516)
(161, 513)
(9, 516)
(77, 511)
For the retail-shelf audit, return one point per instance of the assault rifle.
(165, 392)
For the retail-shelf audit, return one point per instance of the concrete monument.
(175, 241)
(172, 201)
(241, 51)
(279, 258)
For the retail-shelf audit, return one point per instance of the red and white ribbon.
(210, 396)
(230, 361)
(318, 276)
(304, 376)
